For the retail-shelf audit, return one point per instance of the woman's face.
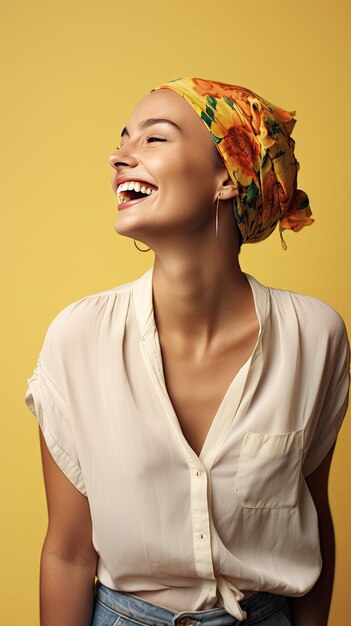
(179, 160)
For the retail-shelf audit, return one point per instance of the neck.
(196, 300)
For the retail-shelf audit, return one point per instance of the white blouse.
(192, 532)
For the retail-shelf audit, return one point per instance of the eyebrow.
(150, 122)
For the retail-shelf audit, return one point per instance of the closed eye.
(147, 139)
(156, 138)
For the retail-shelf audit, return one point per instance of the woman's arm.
(68, 558)
(312, 609)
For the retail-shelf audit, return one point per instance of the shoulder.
(318, 318)
(82, 317)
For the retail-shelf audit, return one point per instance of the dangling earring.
(217, 238)
(141, 250)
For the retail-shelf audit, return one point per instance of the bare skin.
(68, 558)
(207, 327)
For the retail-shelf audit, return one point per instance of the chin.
(125, 229)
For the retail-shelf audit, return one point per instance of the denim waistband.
(138, 610)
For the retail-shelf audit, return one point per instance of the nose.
(120, 158)
(113, 159)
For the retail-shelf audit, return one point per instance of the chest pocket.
(269, 470)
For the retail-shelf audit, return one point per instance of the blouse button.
(198, 473)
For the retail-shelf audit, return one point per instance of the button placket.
(201, 522)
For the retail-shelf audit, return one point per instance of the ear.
(227, 188)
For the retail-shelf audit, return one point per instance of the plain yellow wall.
(72, 72)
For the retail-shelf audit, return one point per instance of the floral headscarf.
(253, 138)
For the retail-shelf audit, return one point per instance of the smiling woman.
(178, 160)
(188, 417)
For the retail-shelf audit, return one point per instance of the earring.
(217, 238)
(141, 250)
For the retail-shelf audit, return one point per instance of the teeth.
(132, 185)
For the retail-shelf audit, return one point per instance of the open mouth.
(132, 199)
(127, 197)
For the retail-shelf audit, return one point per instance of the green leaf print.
(230, 102)
(273, 128)
(210, 112)
(212, 101)
(216, 139)
(206, 119)
(279, 154)
(237, 215)
(251, 193)
(263, 161)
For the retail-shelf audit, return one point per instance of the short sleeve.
(336, 399)
(45, 398)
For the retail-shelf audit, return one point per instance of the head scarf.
(253, 138)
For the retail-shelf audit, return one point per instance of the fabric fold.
(231, 596)
(47, 406)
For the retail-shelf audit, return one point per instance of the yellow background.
(72, 72)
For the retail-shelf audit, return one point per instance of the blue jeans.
(119, 608)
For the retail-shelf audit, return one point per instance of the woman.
(188, 418)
